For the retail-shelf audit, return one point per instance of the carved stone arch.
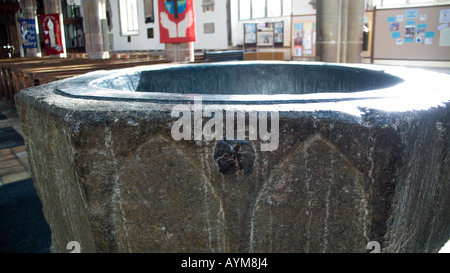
(314, 198)
(162, 206)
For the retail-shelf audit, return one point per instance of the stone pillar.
(340, 30)
(96, 29)
(180, 52)
(52, 6)
(28, 8)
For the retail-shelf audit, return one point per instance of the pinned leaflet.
(442, 27)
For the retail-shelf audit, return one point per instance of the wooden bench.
(38, 77)
(18, 78)
(265, 56)
(222, 56)
(6, 79)
(137, 55)
(23, 73)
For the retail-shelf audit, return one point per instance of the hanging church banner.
(28, 33)
(176, 21)
(52, 34)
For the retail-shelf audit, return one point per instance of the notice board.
(417, 33)
(303, 36)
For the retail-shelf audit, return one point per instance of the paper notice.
(442, 27)
(444, 16)
(445, 37)
(308, 26)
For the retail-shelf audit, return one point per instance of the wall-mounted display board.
(261, 39)
(265, 34)
(268, 34)
(250, 35)
(278, 34)
(303, 37)
(419, 33)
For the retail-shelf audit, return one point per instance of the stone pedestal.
(340, 30)
(359, 154)
(180, 52)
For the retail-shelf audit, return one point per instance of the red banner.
(176, 21)
(51, 26)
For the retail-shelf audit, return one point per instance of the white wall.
(217, 40)
(298, 7)
(138, 42)
(237, 26)
(302, 7)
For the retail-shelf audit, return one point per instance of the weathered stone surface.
(349, 169)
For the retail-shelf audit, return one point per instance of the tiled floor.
(14, 164)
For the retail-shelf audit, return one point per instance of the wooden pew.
(31, 75)
(5, 69)
(38, 76)
(3, 76)
(16, 79)
(136, 55)
(48, 75)
(17, 74)
(22, 74)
